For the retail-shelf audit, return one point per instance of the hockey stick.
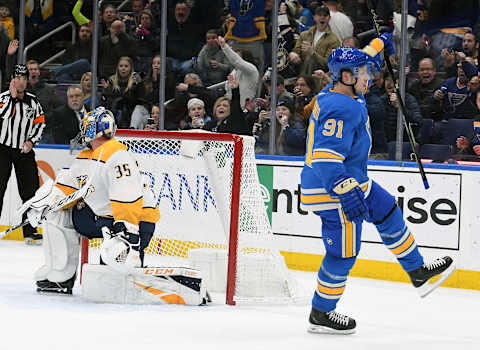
(13, 228)
(71, 198)
(408, 129)
(56, 206)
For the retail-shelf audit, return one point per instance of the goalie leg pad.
(145, 286)
(61, 249)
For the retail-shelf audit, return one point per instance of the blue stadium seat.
(437, 153)
(406, 151)
(455, 128)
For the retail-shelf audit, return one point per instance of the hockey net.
(209, 196)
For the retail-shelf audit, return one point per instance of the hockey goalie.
(102, 196)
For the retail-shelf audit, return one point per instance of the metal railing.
(121, 6)
(48, 35)
(210, 87)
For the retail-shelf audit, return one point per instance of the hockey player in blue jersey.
(335, 185)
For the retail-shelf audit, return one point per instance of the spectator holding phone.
(124, 94)
(453, 97)
(469, 49)
(151, 82)
(304, 90)
(147, 42)
(290, 129)
(153, 120)
(390, 101)
(197, 117)
(281, 91)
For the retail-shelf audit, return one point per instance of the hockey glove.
(388, 43)
(351, 198)
(36, 216)
(36, 208)
(121, 244)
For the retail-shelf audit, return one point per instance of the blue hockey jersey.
(338, 144)
(457, 103)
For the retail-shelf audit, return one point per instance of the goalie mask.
(97, 123)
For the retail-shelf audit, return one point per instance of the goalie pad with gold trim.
(150, 285)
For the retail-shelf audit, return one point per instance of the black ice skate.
(46, 286)
(33, 239)
(421, 277)
(330, 322)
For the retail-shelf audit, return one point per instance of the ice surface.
(389, 316)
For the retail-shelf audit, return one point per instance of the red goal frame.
(235, 204)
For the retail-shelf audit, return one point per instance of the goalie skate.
(330, 322)
(34, 239)
(421, 277)
(46, 286)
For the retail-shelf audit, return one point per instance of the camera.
(150, 121)
(259, 130)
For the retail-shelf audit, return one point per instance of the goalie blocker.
(151, 285)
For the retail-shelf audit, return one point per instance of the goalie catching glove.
(49, 198)
(37, 207)
(120, 247)
(351, 198)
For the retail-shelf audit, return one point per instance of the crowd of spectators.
(218, 74)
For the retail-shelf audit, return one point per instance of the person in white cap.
(196, 112)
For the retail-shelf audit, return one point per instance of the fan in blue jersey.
(335, 186)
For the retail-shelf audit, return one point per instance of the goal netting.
(209, 196)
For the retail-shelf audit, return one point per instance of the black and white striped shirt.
(20, 120)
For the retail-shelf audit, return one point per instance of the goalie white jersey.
(116, 190)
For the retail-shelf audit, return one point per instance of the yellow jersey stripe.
(349, 248)
(318, 198)
(130, 212)
(66, 189)
(404, 246)
(330, 291)
(326, 155)
(109, 148)
(150, 215)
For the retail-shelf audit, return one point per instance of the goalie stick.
(71, 198)
(411, 138)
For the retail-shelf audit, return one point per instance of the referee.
(21, 125)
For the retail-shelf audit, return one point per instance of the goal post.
(209, 196)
